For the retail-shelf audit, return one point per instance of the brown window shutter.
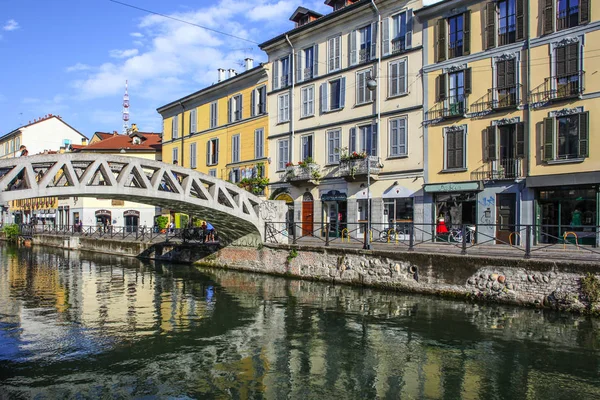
(450, 150)
(459, 149)
(468, 81)
(561, 61)
(549, 16)
(441, 87)
(501, 74)
(490, 25)
(584, 128)
(584, 11)
(511, 76)
(441, 39)
(572, 59)
(520, 140)
(490, 144)
(467, 33)
(548, 139)
(521, 20)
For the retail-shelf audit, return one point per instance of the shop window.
(566, 136)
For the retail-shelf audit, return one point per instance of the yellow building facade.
(222, 130)
(508, 114)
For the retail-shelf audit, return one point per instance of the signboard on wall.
(131, 213)
(103, 213)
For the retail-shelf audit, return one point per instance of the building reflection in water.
(70, 321)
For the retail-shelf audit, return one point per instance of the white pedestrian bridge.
(238, 215)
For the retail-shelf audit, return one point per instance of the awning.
(578, 178)
(453, 187)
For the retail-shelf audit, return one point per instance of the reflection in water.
(75, 324)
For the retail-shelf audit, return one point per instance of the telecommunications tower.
(125, 111)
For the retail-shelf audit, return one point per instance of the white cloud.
(30, 100)
(123, 53)
(283, 9)
(78, 67)
(137, 34)
(11, 25)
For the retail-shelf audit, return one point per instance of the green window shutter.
(548, 139)
(468, 81)
(441, 87)
(549, 16)
(501, 74)
(584, 138)
(441, 39)
(490, 25)
(490, 144)
(459, 149)
(511, 76)
(521, 20)
(572, 59)
(561, 61)
(584, 11)
(467, 33)
(450, 150)
(520, 140)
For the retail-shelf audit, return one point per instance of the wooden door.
(307, 218)
(505, 218)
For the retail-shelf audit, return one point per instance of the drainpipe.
(379, 39)
(529, 130)
(182, 131)
(293, 70)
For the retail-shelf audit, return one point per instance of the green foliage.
(306, 162)
(184, 219)
(254, 185)
(11, 232)
(316, 175)
(162, 222)
(590, 288)
(293, 254)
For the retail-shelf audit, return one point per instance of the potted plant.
(162, 222)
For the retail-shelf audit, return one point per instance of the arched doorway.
(132, 220)
(308, 208)
(103, 218)
(289, 217)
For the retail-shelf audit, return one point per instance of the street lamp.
(372, 86)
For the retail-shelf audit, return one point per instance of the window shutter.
(193, 118)
(409, 28)
(441, 39)
(561, 61)
(459, 149)
(440, 83)
(393, 81)
(394, 137)
(208, 153)
(548, 139)
(450, 150)
(342, 92)
(468, 81)
(241, 109)
(584, 11)
(338, 52)
(361, 88)
(402, 81)
(298, 64)
(385, 40)
(352, 141)
(402, 150)
(584, 129)
(520, 140)
(572, 58)
(520, 20)
(276, 75)
(331, 54)
(549, 16)
(229, 110)
(490, 25)
(501, 74)
(324, 98)
(216, 151)
(373, 151)
(352, 47)
(253, 103)
(373, 40)
(490, 144)
(511, 73)
(315, 60)
(467, 33)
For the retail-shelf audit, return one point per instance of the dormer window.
(137, 140)
(302, 21)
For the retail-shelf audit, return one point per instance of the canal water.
(80, 325)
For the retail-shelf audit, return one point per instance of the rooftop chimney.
(249, 63)
(221, 74)
(232, 72)
(84, 141)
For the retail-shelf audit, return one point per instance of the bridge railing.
(523, 240)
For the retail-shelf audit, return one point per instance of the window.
(193, 120)
(505, 19)
(175, 127)
(18, 143)
(363, 44)
(505, 144)
(506, 83)
(507, 22)
(212, 172)
(568, 75)
(566, 136)
(363, 94)
(213, 114)
(212, 152)
(235, 148)
(334, 54)
(398, 137)
(398, 28)
(458, 41)
(454, 142)
(455, 36)
(281, 72)
(307, 147)
(235, 108)
(283, 154)
(259, 143)
(259, 101)
(283, 112)
(193, 155)
(368, 139)
(568, 15)
(308, 101)
(333, 94)
(306, 63)
(333, 146)
(175, 155)
(397, 84)
(456, 93)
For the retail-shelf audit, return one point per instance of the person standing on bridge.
(210, 232)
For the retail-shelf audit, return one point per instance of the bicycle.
(455, 235)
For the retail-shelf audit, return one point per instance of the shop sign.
(452, 187)
(103, 213)
(334, 195)
(131, 213)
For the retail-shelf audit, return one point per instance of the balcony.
(356, 169)
(364, 55)
(398, 44)
(452, 107)
(497, 99)
(284, 81)
(302, 174)
(556, 88)
(307, 73)
(505, 168)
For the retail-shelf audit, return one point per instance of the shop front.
(334, 206)
(103, 218)
(132, 220)
(398, 212)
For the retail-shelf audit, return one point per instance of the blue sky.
(72, 57)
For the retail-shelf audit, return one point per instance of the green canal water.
(80, 325)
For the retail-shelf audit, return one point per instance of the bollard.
(464, 239)
(327, 234)
(528, 241)
(294, 233)
(265, 237)
(365, 238)
(411, 239)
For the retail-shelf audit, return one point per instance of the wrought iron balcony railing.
(364, 55)
(497, 99)
(398, 44)
(558, 88)
(452, 107)
(285, 81)
(307, 73)
(357, 168)
(301, 174)
(504, 168)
